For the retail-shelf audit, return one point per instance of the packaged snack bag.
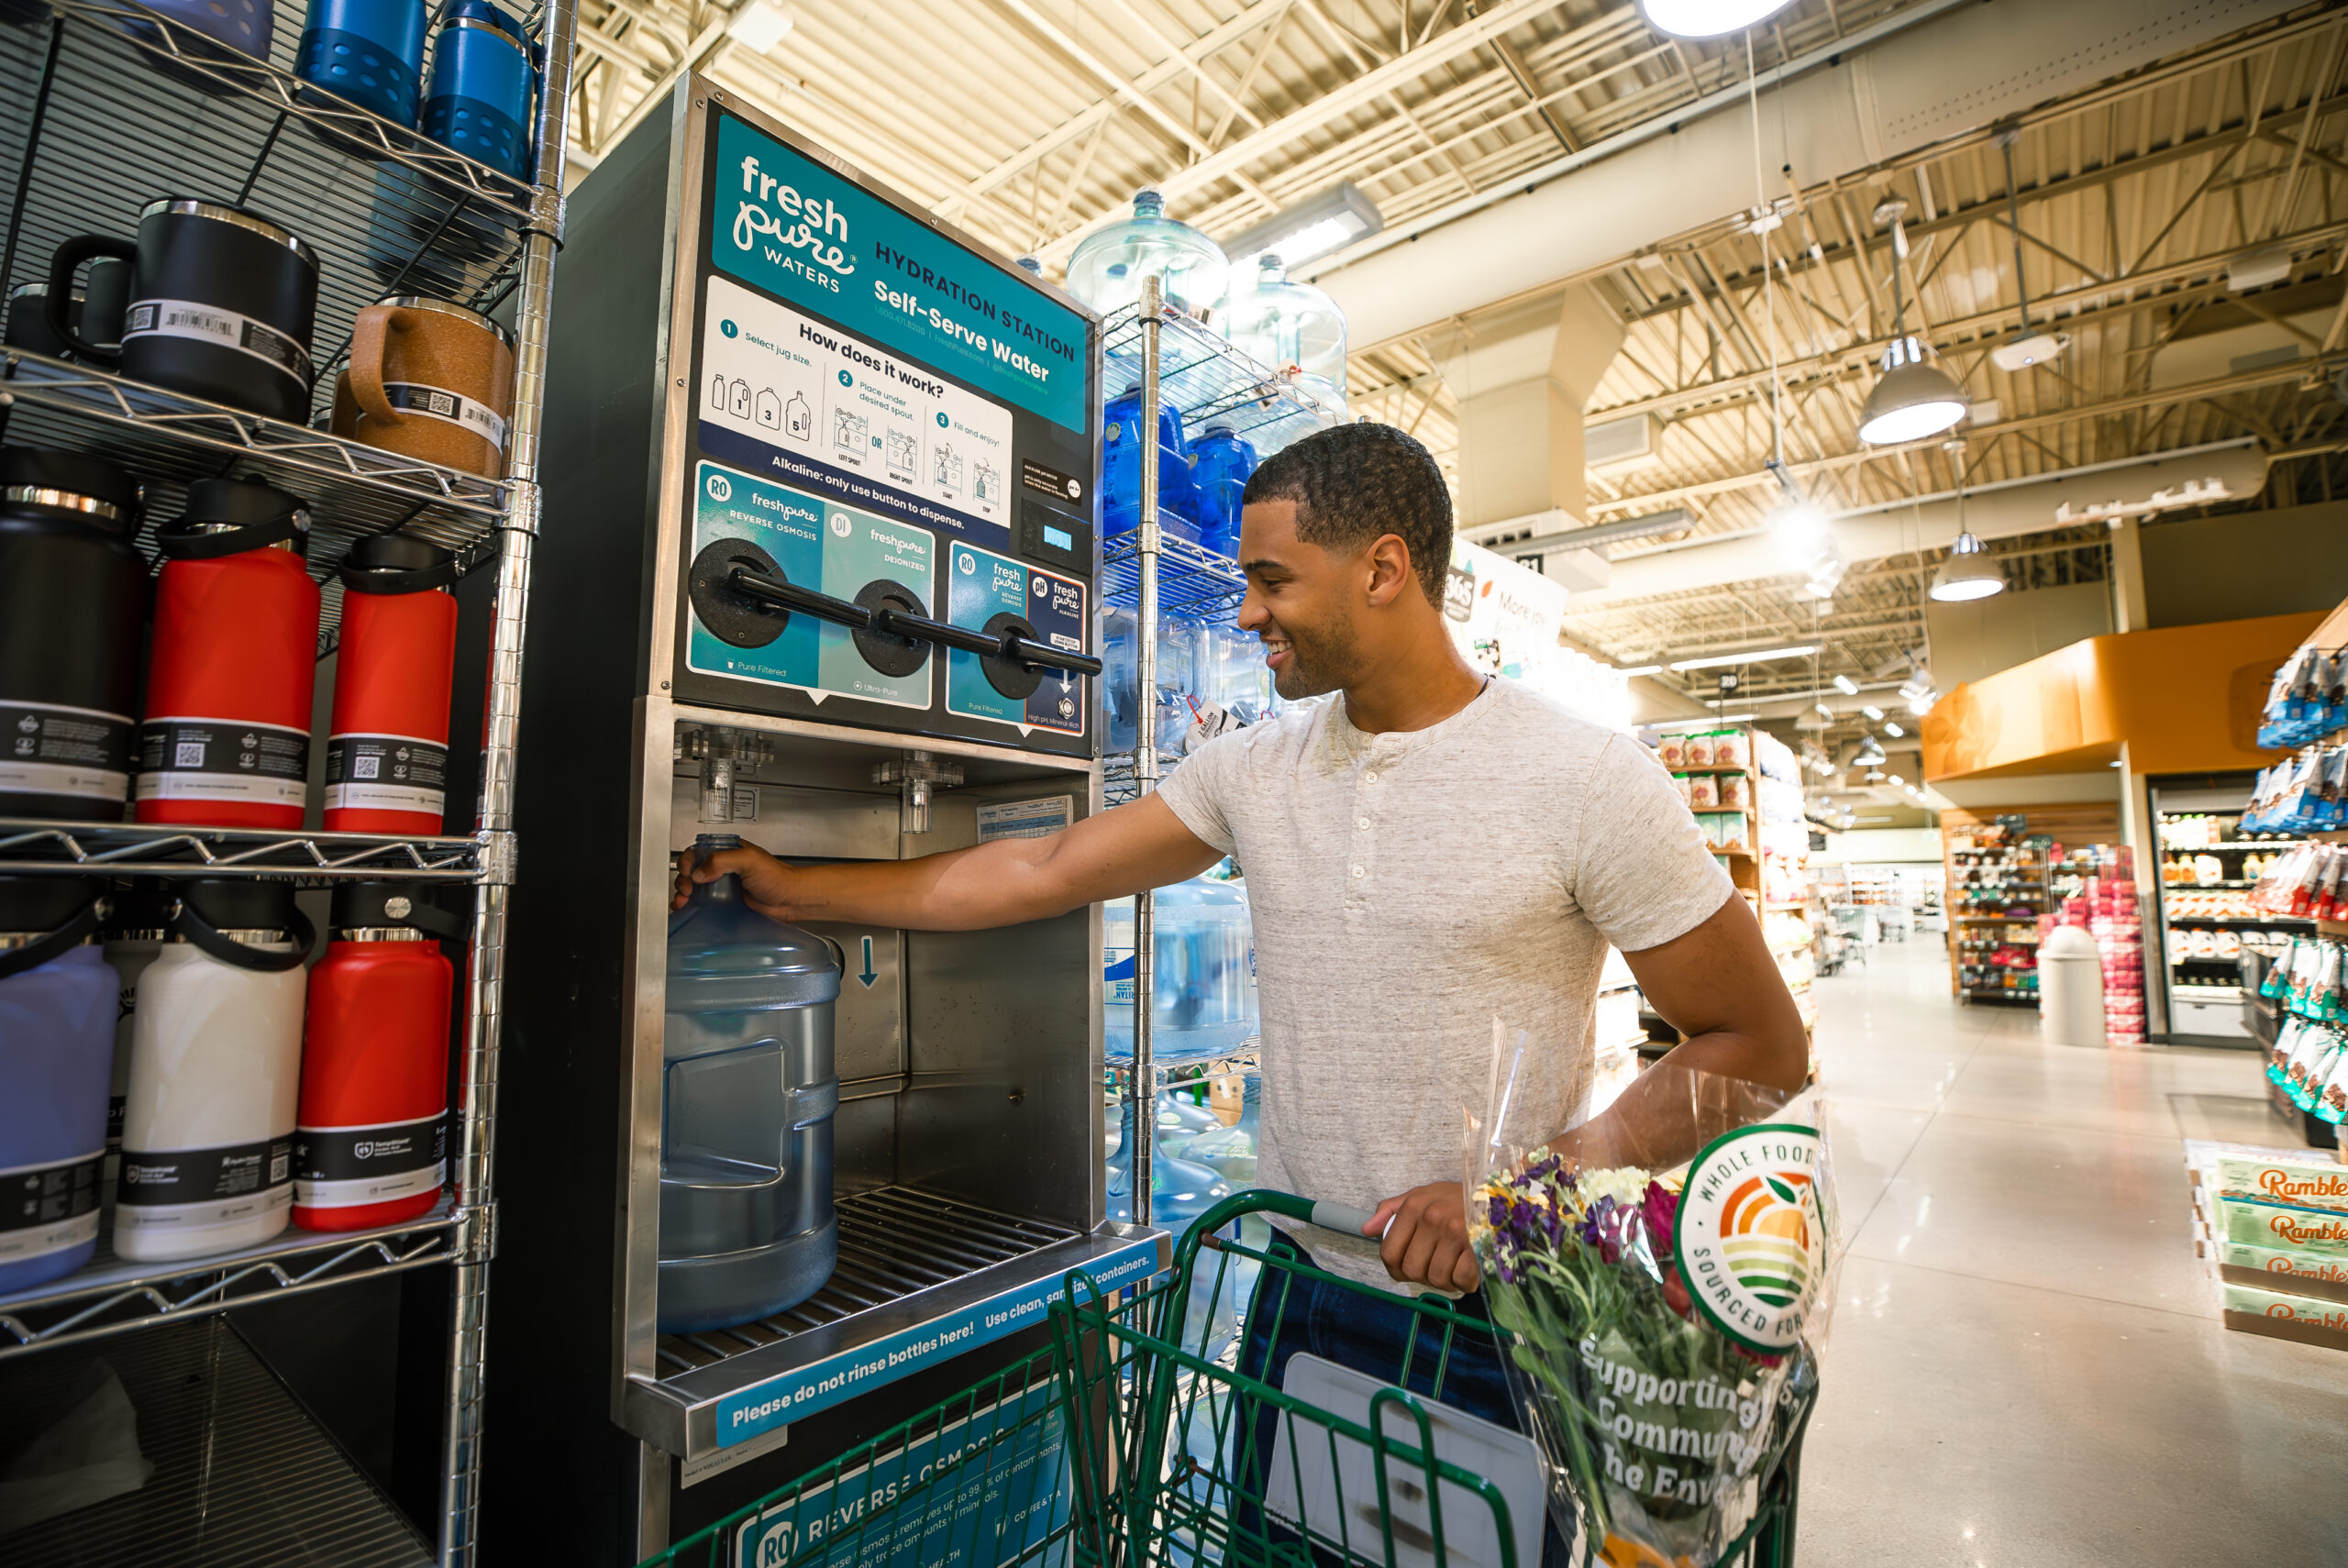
(1728, 750)
(1703, 792)
(1736, 790)
(1675, 752)
(1699, 751)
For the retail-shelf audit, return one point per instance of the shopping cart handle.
(1343, 1217)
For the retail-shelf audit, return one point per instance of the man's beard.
(1318, 662)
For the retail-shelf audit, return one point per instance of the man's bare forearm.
(994, 884)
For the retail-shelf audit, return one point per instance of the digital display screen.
(1058, 538)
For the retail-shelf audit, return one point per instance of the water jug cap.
(1031, 264)
(241, 903)
(711, 842)
(44, 903)
(414, 906)
(397, 563)
(1149, 202)
(224, 517)
(91, 489)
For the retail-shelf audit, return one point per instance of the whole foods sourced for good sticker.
(824, 546)
(993, 594)
(797, 399)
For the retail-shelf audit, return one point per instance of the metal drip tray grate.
(894, 1243)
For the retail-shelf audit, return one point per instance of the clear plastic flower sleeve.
(1662, 1276)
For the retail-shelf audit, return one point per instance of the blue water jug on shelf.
(1121, 454)
(1220, 464)
(58, 999)
(369, 52)
(1205, 981)
(241, 28)
(747, 1092)
(483, 79)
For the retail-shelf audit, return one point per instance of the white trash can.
(2070, 988)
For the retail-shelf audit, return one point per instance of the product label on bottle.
(450, 407)
(169, 1188)
(222, 329)
(223, 759)
(46, 749)
(47, 1209)
(385, 773)
(343, 1167)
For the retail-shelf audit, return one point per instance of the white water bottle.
(207, 1133)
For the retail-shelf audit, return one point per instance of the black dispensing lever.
(886, 616)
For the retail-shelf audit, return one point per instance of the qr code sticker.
(443, 404)
(188, 754)
(366, 766)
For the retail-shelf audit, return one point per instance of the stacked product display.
(2273, 1225)
(1785, 860)
(240, 445)
(2116, 922)
(1714, 776)
(2213, 864)
(1996, 887)
(2307, 1059)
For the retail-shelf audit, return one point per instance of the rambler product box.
(2284, 1269)
(2300, 1177)
(2310, 1231)
(2278, 1316)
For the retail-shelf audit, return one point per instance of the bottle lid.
(397, 563)
(89, 490)
(44, 903)
(413, 906)
(496, 15)
(711, 842)
(241, 903)
(1149, 202)
(141, 903)
(224, 506)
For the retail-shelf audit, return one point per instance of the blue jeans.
(1370, 1334)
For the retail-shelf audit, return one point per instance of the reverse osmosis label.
(223, 760)
(990, 1488)
(824, 546)
(385, 773)
(343, 1167)
(784, 222)
(779, 1401)
(47, 749)
(47, 1209)
(980, 586)
(800, 399)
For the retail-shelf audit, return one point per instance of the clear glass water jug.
(1293, 328)
(747, 1093)
(1105, 272)
(1204, 1002)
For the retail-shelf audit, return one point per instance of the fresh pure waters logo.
(1752, 1240)
(774, 220)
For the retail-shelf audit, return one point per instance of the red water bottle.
(369, 1143)
(226, 737)
(387, 745)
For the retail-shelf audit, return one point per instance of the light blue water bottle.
(57, 1012)
(747, 1092)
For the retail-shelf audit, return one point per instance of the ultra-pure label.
(46, 1209)
(49, 749)
(210, 324)
(170, 1188)
(449, 407)
(223, 760)
(345, 1167)
(385, 773)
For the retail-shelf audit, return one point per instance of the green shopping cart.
(1146, 1437)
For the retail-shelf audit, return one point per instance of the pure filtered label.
(169, 1188)
(449, 407)
(223, 760)
(345, 1167)
(222, 328)
(47, 1207)
(385, 773)
(981, 586)
(49, 749)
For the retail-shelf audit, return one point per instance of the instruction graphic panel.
(802, 400)
(989, 592)
(827, 546)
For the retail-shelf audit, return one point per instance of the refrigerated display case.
(2201, 896)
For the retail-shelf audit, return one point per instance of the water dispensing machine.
(821, 576)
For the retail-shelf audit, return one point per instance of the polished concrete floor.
(2025, 1365)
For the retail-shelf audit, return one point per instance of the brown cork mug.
(429, 380)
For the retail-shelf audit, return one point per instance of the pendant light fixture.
(1969, 572)
(1707, 18)
(1913, 398)
(1870, 754)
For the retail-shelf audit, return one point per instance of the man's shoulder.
(1519, 710)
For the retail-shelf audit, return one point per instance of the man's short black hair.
(1359, 481)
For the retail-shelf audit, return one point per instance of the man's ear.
(1388, 565)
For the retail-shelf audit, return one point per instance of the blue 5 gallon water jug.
(56, 1007)
(747, 1092)
(1220, 464)
(1121, 454)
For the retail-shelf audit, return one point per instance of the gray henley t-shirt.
(1407, 890)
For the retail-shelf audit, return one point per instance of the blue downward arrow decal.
(868, 977)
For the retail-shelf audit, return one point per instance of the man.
(1432, 850)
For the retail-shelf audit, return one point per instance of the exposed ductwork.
(1994, 511)
(1916, 79)
(1521, 377)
